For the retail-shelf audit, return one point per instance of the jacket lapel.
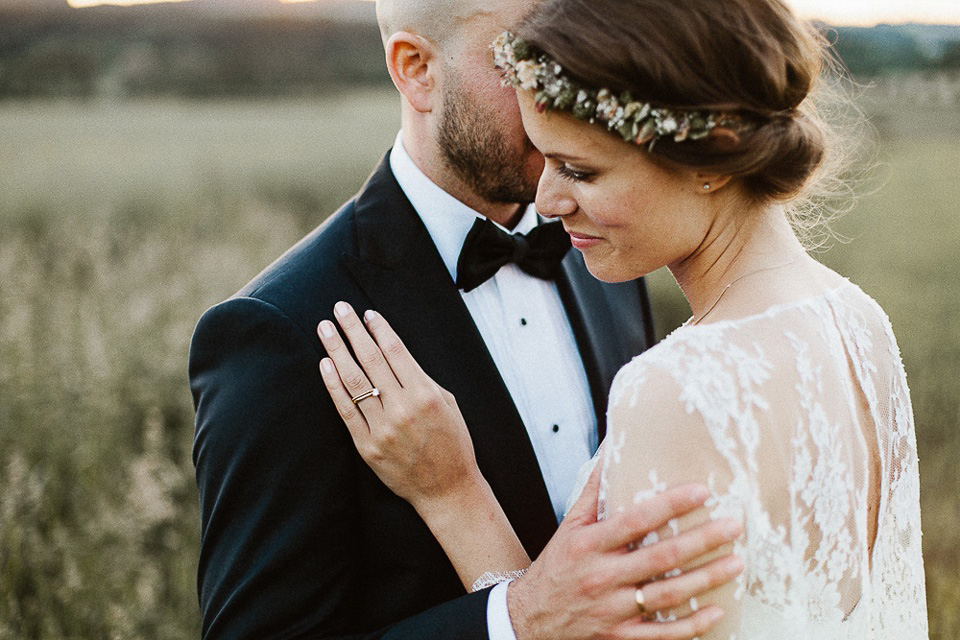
(607, 336)
(401, 272)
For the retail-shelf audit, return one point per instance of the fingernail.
(370, 315)
(327, 329)
(714, 615)
(342, 309)
(733, 529)
(327, 365)
(699, 493)
(734, 565)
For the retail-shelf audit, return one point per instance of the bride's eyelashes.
(573, 175)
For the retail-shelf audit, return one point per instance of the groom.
(300, 539)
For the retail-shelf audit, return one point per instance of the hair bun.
(784, 153)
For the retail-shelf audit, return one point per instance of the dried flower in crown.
(634, 121)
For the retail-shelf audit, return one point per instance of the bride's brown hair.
(754, 57)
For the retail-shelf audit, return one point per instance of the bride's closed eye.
(573, 175)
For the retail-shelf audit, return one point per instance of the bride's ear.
(722, 138)
(412, 61)
(707, 183)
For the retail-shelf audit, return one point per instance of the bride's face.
(627, 214)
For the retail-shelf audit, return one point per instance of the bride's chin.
(613, 273)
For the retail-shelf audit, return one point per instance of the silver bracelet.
(491, 578)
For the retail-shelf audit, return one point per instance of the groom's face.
(480, 131)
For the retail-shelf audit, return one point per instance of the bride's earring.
(706, 186)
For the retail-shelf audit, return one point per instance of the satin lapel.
(400, 270)
(596, 311)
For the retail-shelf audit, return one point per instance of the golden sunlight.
(871, 12)
(78, 4)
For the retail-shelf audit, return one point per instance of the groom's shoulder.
(315, 268)
(305, 282)
(312, 265)
(297, 290)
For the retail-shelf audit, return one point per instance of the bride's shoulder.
(690, 341)
(704, 364)
(660, 370)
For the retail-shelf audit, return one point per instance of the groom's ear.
(412, 61)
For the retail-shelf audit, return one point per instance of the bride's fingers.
(352, 378)
(366, 349)
(349, 412)
(404, 365)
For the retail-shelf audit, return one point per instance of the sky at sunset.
(860, 12)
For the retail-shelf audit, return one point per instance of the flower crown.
(634, 121)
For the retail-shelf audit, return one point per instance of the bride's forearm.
(417, 443)
(474, 533)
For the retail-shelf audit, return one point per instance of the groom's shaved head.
(458, 119)
(436, 20)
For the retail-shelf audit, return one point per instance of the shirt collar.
(448, 221)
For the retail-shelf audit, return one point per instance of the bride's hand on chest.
(406, 427)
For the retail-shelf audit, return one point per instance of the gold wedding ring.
(373, 393)
(641, 603)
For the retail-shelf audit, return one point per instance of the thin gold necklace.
(694, 321)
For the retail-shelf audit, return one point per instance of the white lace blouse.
(800, 420)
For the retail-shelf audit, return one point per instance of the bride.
(682, 134)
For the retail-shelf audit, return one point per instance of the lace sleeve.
(655, 442)
(800, 423)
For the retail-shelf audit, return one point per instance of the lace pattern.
(800, 419)
(491, 578)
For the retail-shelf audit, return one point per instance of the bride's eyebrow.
(563, 157)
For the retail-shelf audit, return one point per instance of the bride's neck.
(737, 245)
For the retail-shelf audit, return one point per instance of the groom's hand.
(584, 584)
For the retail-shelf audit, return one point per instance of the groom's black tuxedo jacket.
(300, 539)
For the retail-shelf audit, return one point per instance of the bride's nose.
(553, 196)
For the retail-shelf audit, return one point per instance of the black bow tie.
(487, 248)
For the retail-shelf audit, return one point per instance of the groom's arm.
(276, 471)
(274, 479)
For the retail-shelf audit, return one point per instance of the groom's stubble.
(470, 136)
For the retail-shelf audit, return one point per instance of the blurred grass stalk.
(121, 223)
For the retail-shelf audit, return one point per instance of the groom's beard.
(475, 148)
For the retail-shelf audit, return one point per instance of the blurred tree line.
(874, 51)
(182, 50)
(176, 50)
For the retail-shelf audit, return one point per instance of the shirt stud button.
(556, 428)
(523, 322)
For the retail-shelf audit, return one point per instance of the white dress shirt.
(525, 328)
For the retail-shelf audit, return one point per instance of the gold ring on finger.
(641, 602)
(373, 393)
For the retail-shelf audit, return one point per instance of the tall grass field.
(120, 223)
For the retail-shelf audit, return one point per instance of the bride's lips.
(583, 241)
